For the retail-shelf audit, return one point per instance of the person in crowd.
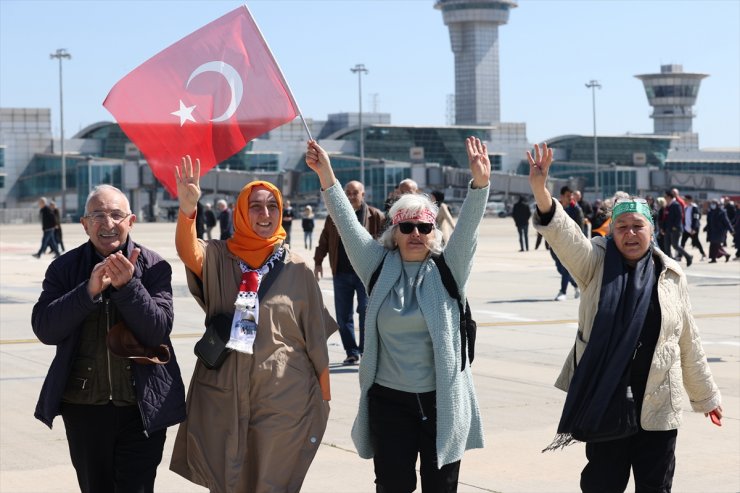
(736, 228)
(445, 222)
(692, 225)
(288, 216)
(539, 240)
(415, 402)
(200, 220)
(731, 210)
(718, 225)
(407, 185)
(307, 223)
(575, 213)
(346, 282)
(673, 226)
(521, 214)
(600, 219)
(637, 346)
(57, 225)
(210, 220)
(677, 196)
(254, 424)
(115, 411)
(225, 220)
(660, 217)
(48, 227)
(587, 209)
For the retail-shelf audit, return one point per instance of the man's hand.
(318, 271)
(120, 269)
(98, 281)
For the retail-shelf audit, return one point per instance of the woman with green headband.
(636, 349)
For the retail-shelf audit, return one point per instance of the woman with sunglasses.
(636, 349)
(414, 398)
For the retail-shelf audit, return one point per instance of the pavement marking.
(508, 323)
(511, 323)
(505, 315)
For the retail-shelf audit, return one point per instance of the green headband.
(626, 206)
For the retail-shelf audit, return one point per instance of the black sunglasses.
(424, 228)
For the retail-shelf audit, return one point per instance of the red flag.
(207, 95)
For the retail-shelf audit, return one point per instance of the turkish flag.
(207, 95)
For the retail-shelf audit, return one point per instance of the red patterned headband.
(422, 216)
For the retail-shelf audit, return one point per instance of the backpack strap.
(451, 286)
(374, 277)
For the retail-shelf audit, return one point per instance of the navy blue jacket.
(144, 304)
(674, 221)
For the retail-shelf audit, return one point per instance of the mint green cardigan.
(458, 417)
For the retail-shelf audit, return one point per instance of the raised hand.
(539, 166)
(187, 177)
(318, 160)
(480, 164)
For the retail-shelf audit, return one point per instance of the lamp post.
(61, 54)
(616, 176)
(593, 85)
(359, 69)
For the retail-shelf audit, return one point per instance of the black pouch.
(211, 349)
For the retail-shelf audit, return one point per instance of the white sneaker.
(577, 294)
(561, 296)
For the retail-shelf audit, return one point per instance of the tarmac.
(523, 339)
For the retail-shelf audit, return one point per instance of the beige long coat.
(255, 424)
(679, 360)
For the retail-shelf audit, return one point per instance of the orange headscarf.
(245, 243)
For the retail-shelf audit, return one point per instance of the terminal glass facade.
(443, 145)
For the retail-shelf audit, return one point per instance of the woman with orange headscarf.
(255, 423)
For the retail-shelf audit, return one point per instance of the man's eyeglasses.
(102, 217)
(408, 228)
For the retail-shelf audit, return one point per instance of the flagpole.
(280, 72)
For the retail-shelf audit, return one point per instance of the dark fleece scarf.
(623, 305)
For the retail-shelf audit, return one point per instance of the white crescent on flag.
(236, 87)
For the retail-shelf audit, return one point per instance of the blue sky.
(548, 51)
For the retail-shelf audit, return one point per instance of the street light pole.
(359, 69)
(60, 54)
(593, 85)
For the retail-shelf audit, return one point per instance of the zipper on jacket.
(107, 351)
(421, 408)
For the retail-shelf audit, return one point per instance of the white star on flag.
(185, 113)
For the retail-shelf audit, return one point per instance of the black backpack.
(468, 326)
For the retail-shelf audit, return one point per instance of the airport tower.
(473, 26)
(672, 94)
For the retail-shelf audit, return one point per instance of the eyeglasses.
(102, 217)
(423, 228)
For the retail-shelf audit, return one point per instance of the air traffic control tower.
(473, 26)
(672, 94)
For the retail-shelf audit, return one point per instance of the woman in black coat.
(718, 225)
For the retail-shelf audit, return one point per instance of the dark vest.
(98, 377)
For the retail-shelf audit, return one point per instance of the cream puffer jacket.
(679, 360)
